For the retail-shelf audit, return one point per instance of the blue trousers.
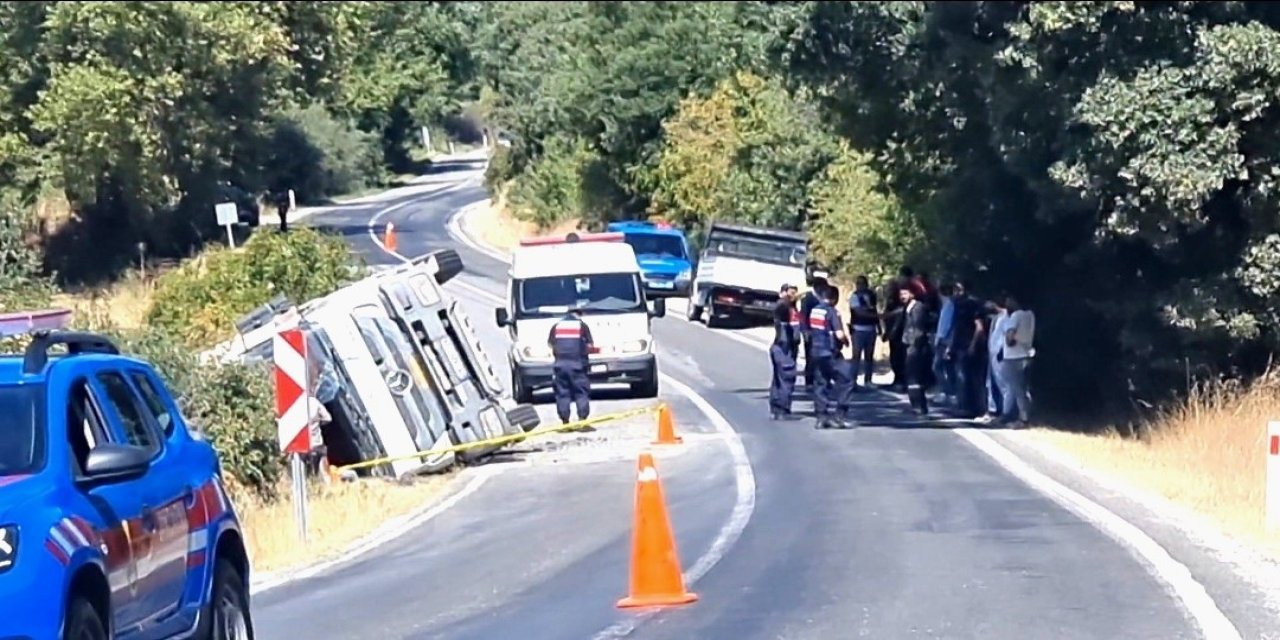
(832, 386)
(571, 385)
(783, 384)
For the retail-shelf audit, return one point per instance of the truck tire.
(83, 622)
(714, 319)
(692, 311)
(648, 387)
(520, 392)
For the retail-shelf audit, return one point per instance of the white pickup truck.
(742, 268)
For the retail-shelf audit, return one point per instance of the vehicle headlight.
(8, 546)
(687, 274)
(535, 352)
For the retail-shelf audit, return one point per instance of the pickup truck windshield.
(661, 246)
(22, 430)
(773, 252)
(598, 292)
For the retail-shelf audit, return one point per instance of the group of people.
(974, 355)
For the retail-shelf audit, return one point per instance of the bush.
(317, 155)
(552, 188)
(201, 300)
(22, 286)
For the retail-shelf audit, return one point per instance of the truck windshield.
(22, 430)
(772, 252)
(598, 292)
(660, 246)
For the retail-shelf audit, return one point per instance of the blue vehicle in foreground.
(663, 253)
(114, 522)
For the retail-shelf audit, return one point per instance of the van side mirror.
(659, 308)
(500, 316)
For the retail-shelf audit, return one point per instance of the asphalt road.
(895, 530)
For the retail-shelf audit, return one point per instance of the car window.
(22, 429)
(85, 426)
(121, 398)
(152, 400)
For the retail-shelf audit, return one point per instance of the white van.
(599, 274)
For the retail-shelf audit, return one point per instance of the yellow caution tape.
(516, 437)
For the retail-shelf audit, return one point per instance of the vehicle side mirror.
(659, 308)
(500, 316)
(116, 463)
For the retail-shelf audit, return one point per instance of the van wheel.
(83, 622)
(228, 613)
(520, 392)
(648, 388)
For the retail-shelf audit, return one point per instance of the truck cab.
(663, 253)
(599, 274)
(741, 270)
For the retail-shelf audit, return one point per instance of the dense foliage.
(1113, 163)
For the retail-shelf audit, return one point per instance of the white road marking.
(1176, 577)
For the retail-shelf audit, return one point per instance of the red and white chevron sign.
(293, 410)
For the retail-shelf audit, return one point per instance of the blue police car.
(663, 253)
(114, 522)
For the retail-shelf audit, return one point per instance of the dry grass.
(495, 226)
(338, 516)
(124, 303)
(1206, 454)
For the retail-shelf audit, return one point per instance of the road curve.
(897, 530)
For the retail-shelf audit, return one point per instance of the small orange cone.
(655, 566)
(389, 237)
(666, 427)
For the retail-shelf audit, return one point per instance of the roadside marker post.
(293, 414)
(1273, 476)
(228, 215)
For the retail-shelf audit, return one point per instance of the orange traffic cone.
(389, 237)
(655, 566)
(666, 427)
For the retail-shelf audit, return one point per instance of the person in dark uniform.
(915, 340)
(893, 319)
(281, 200)
(817, 281)
(782, 354)
(571, 343)
(830, 391)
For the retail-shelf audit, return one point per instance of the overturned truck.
(399, 368)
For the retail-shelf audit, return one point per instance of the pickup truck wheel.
(83, 622)
(520, 392)
(714, 319)
(228, 617)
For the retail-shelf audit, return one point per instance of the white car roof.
(579, 258)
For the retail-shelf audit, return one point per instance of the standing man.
(817, 281)
(1019, 349)
(995, 355)
(865, 326)
(943, 366)
(282, 208)
(782, 354)
(965, 351)
(830, 391)
(915, 340)
(571, 343)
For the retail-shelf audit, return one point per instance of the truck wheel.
(520, 392)
(647, 388)
(714, 320)
(692, 311)
(83, 622)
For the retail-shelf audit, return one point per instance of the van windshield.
(597, 292)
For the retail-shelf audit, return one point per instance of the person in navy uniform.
(817, 281)
(826, 338)
(571, 343)
(782, 353)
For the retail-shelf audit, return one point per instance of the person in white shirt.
(995, 348)
(1019, 348)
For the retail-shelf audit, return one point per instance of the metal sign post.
(299, 472)
(228, 215)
